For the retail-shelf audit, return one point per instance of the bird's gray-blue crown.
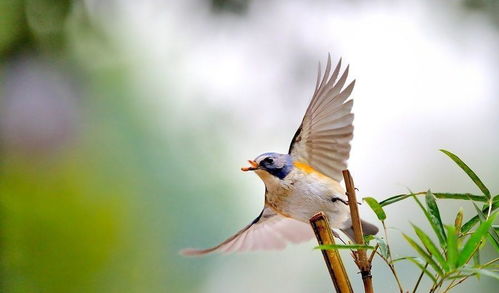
(276, 164)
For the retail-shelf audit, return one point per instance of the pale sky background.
(426, 79)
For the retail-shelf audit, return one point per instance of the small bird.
(304, 181)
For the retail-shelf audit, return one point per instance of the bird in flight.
(304, 181)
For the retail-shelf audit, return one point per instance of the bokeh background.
(123, 125)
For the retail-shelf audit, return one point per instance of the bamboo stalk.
(361, 256)
(334, 264)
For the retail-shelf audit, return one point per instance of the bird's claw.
(334, 199)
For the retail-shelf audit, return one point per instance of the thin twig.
(390, 260)
(392, 269)
(419, 278)
(361, 256)
(490, 207)
(460, 281)
(437, 285)
(373, 253)
(489, 262)
(452, 285)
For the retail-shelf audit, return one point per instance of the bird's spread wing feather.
(268, 231)
(323, 138)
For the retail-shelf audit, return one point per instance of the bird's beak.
(253, 167)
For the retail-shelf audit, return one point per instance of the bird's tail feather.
(367, 228)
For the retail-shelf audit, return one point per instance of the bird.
(306, 180)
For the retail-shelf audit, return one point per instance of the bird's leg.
(334, 199)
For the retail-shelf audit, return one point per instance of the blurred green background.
(123, 125)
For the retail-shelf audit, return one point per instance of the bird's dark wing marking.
(296, 139)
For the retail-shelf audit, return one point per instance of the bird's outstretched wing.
(268, 231)
(323, 138)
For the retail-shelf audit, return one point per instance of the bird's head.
(278, 165)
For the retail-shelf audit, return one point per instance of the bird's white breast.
(303, 193)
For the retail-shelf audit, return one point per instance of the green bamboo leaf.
(404, 258)
(493, 237)
(476, 258)
(368, 239)
(479, 213)
(376, 207)
(479, 271)
(440, 195)
(474, 241)
(343, 246)
(394, 199)
(435, 213)
(431, 247)
(434, 225)
(423, 254)
(417, 262)
(452, 247)
(460, 276)
(493, 241)
(468, 171)
(383, 247)
(463, 196)
(472, 222)
(458, 222)
(482, 217)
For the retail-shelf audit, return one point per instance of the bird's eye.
(269, 160)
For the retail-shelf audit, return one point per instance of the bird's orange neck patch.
(306, 168)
